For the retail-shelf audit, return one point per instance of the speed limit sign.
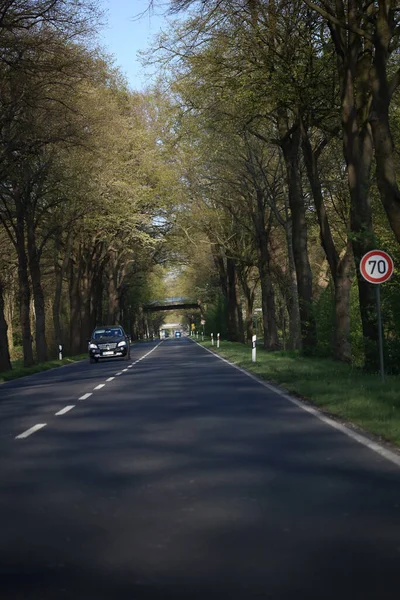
(376, 266)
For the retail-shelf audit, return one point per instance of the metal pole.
(378, 306)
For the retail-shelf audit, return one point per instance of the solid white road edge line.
(28, 432)
(85, 396)
(361, 439)
(65, 410)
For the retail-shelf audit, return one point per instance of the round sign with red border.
(376, 266)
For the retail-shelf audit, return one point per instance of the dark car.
(109, 342)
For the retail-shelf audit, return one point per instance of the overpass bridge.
(175, 303)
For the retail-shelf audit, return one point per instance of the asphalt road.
(182, 478)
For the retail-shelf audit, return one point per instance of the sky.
(126, 34)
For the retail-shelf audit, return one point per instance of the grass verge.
(19, 370)
(338, 389)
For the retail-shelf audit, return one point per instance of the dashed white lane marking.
(28, 432)
(123, 370)
(65, 410)
(361, 439)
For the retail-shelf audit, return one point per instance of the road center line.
(28, 432)
(65, 410)
(98, 387)
(85, 396)
(123, 370)
(116, 374)
(110, 378)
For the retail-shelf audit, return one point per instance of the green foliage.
(18, 370)
(356, 334)
(216, 318)
(325, 320)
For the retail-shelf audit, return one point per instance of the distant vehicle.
(109, 342)
(178, 334)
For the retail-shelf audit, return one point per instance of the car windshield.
(107, 332)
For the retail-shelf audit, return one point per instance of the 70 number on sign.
(376, 266)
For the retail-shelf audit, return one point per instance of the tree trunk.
(5, 363)
(290, 144)
(271, 341)
(239, 311)
(111, 271)
(249, 298)
(9, 300)
(38, 296)
(342, 285)
(358, 150)
(219, 262)
(292, 299)
(340, 269)
(380, 122)
(234, 332)
(75, 337)
(262, 229)
(24, 292)
(59, 273)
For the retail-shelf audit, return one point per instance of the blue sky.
(125, 36)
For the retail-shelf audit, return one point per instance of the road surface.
(176, 476)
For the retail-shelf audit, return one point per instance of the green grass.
(19, 370)
(343, 392)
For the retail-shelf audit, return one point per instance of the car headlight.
(123, 343)
(92, 346)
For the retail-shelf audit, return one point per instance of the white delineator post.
(212, 339)
(253, 348)
(59, 352)
(217, 340)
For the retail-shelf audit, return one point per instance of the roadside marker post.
(217, 340)
(212, 339)
(253, 349)
(377, 267)
(60, 352)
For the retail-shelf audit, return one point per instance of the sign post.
(212, 339)
(217, 340)
(253, 348)
(377, 267)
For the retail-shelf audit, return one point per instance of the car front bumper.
(117, 352)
